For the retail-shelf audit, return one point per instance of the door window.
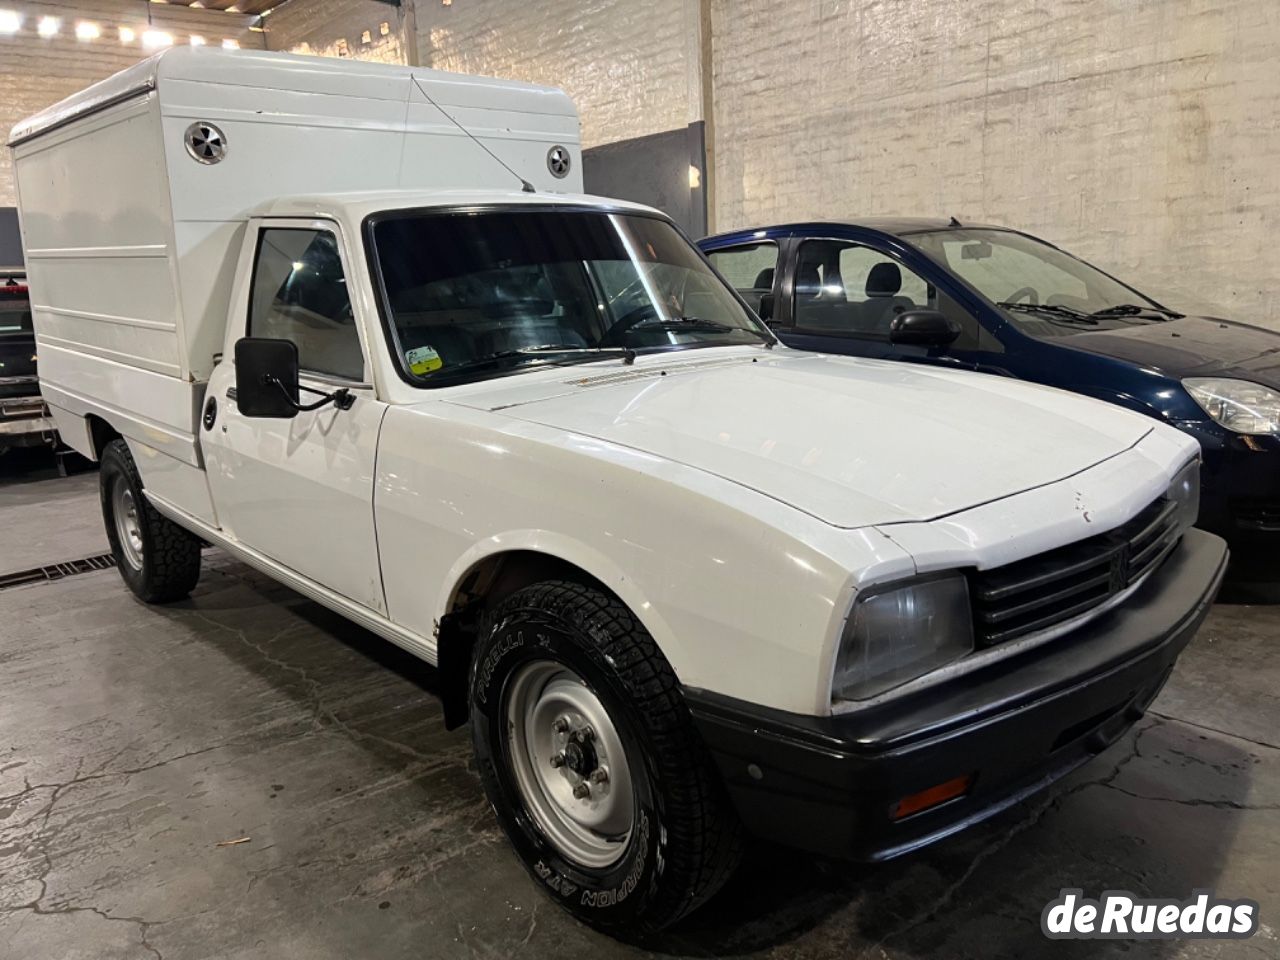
(847, 289)
(300, 294)
(750, 271)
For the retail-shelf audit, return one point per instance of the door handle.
(231, 394)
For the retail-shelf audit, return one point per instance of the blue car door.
(840, 295)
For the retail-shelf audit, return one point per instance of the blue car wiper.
(1133, 310)
(1052, 310)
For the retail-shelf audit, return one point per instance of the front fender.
(745, 595)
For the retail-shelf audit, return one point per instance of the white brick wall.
(36, 72)
(627, 64)
(1140, 134)
(330, 27)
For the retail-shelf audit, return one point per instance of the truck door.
(300, 491)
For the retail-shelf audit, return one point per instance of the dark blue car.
(999, 301)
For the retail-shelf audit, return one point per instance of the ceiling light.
(87, 30)
(196, 40)
(230, 44)
(48, 26)
(127, 35)
(156, 38)
(10, 22)
(384, 28)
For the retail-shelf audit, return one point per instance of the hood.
(1191, 347)
(852, 442)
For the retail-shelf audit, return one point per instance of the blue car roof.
(893, 226)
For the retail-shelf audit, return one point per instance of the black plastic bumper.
(828, 784)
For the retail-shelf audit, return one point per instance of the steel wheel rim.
(128, 530)
(560, 738)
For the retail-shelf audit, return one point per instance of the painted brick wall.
(336, 28)
(1140, 134)
(36, 72)
(628, 65)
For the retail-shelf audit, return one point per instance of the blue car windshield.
(1042, 290)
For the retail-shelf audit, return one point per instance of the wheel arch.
(100, 434)
(486, 575)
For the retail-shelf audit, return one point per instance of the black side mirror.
(267, 377)
(923, 328)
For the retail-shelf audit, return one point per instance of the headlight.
(1185, 492)
(901, 633)
(1238, 405)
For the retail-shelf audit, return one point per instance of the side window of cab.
(847, 289)
(300, 293)
(750, 270)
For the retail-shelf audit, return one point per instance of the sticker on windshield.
(423, 360)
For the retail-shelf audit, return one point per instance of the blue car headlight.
(1239, 405)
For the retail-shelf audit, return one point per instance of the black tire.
(169, 565)
(686, 840)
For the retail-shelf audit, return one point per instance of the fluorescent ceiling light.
(87, 30)
(127, 35)
(48, 26)
(230, 44)
(196, 40)
(156, 38)
(10, 22)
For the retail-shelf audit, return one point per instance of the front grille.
(1042, 591)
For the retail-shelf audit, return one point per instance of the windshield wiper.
(1051, 310)
(683, 323)
(1133, 309)
(548, 355)
(697, 324)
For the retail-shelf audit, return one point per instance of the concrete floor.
(135, 740)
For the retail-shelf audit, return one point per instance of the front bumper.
(1240, 485)
(828, 784)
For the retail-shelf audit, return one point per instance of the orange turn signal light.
(925, 799)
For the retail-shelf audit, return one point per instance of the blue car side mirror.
(923, 328)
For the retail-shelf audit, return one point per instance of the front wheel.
(590, 759)
(159, 560)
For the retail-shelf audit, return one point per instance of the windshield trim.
(1004, 315)
(392, 339)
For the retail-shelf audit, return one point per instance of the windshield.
(473, 295)
(1042, 290)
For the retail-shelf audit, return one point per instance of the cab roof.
(354, 206)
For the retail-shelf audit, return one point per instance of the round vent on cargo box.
(205, 142)
(558, 161)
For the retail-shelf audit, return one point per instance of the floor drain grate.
(57, 571)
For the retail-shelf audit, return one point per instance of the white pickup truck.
(681, 580)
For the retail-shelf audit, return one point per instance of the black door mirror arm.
(342, 398)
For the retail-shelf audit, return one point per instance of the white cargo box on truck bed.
(132, 235)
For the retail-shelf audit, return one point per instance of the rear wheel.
(591, 761)
(159, 560)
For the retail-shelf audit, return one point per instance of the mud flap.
(455, 641)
